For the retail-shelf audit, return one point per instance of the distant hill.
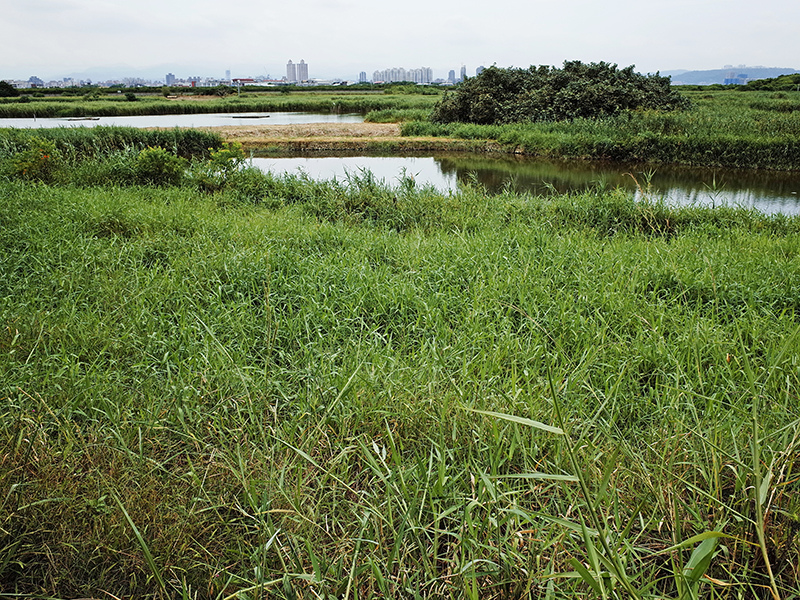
(681, 77)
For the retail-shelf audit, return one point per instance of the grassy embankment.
(156, 105)
(724, 129)
(271, 391)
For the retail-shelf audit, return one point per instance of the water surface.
(194, 120)
(767, 191)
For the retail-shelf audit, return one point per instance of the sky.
(339, 38)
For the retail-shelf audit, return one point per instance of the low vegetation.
(104, 106)
(725, 129)
(235, 385)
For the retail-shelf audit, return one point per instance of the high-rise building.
(463, 73)
(362, 77)
(291, 72)
(302, 71)
(479, 70)
(170, 79)
(451, 76)
(421, 75)
(228, 75)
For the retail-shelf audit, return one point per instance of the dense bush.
(545, 93)
(789, 82)
(37, 162)
(160, 167)
(7, 90)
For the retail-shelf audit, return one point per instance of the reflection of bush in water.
(544, 176)
(538, 177)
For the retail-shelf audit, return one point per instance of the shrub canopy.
(551, 94)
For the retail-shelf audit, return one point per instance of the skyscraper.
(302, 71)
(291, 72)
(463, 73)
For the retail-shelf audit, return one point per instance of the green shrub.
(223, 163)
(38, 162)
(158, 166)
(7, 90)
(545, 93)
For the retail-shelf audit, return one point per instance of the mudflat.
(262, 132)
(323, 137)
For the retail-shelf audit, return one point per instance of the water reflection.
(193, 120)
(767, 191)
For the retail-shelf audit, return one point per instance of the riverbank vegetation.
(247, 386)
(103, 106)
(725, 129)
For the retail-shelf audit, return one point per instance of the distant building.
(228, 75)
(302, 71)
(362, 77)
(421, 75)
(35, 82)
(463, 75)
(733, 78)
(451, 76)
(479, 70)
(170, 79)
(291, 72)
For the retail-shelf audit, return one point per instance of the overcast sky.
(339, 38)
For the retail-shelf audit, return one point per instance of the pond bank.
(324, 137)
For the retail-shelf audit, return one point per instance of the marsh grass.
(297, 101)
(275, 390)
(726, 129)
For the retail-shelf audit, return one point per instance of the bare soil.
(317, 137)
(262, 132)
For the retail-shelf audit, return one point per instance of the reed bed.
(80, 143)
(725, 129)
(286, 388)
(293, 102)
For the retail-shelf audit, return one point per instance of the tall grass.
(726, 129)
(321, 103)
(274, 391)
(79, 143)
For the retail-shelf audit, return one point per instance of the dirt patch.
(264, 132)
(326, 137)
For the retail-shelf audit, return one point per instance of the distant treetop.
(7, 90)
(546, 93)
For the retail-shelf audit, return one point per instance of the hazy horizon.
(339, 38)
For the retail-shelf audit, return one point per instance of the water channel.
(193, 120)
(770, 192)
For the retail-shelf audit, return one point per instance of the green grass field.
(281, 388)
(249, 102)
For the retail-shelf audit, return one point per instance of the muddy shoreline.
(329, 137)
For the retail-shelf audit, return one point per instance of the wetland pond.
(770, 192)
(191, 120)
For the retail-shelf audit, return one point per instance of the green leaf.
(585, 575)
(520, 420)
(763, 490)
(535, 475)
(700, 560)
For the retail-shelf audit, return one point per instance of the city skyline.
(727, 75)
(62, 38)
